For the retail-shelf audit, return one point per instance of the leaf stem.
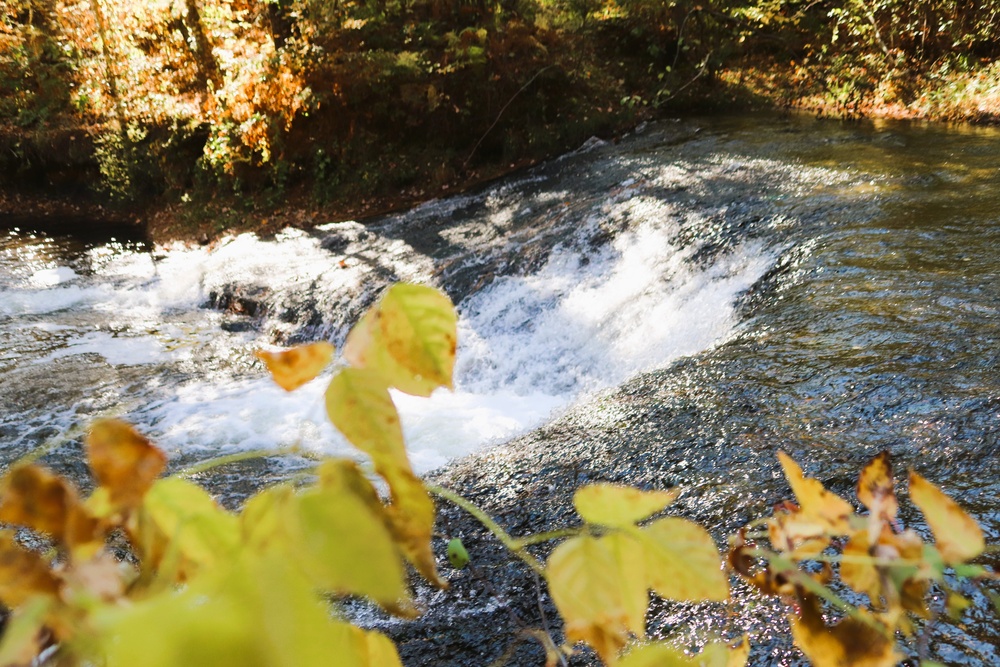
(788, 568)
(547, 536)
(226, 459)
(514, 545)
(49, 445)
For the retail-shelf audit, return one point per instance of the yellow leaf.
(23, 574)
(359, 405)
(615, 505)
(409, 337)
(658, 654)
(797, 534)
(876, 489)
(662, 654)
(351, 551)
(123, 461)
(827, 509)
(583, 578)
(858, 572)
(33, 497)
(257, 611)
(412, 519)
(738, 656)
(294, 367)
(179, 515)
(682, 561)
(849, 643)
(959, 538)
(338, 537)
(630, 571)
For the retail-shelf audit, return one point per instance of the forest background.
(200, 116)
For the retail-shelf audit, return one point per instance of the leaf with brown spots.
(33, 497)
(850, 643)
(409, 337)
(294, 367)
(826, 509)
(359, 405)
(959, 538)
(23, 574)
(123, 461)
(583, 576)
(876, 489)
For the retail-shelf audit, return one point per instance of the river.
(670, 308)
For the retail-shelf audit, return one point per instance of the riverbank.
(203, 215)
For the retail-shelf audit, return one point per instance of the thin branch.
(546, 628)
(512, 97)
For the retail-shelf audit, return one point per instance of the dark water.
(861, 272)
(876, 329)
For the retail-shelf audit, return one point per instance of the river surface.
(672, 308)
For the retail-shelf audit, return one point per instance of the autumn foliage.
(205, 586)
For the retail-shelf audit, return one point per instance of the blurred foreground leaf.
(294, 367)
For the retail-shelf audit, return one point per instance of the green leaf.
(179, 515)
(409, 337)
(615, 505)
(336, 533)
(971, 571)
(683, 562)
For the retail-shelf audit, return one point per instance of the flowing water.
(678, 305)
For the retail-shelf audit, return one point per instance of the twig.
(545, 618)
(512, 97)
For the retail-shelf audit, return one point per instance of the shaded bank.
(204, 116)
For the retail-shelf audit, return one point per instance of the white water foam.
(528, 347)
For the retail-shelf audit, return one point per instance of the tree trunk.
(208, 68)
